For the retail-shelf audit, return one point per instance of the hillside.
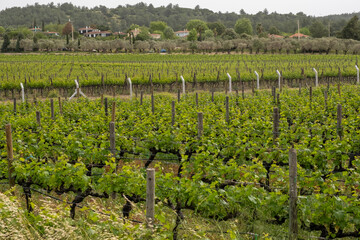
(120, 18)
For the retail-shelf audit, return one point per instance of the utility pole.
(298, 22)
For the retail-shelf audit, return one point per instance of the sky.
(309, 7)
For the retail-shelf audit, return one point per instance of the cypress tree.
(6, 43)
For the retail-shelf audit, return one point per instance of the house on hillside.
(135, 32)
(52, 34)
(297, 35)
(86, 29)
(182, 34)
(97, 33)
(36, 29)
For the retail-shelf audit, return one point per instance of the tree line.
(254, 45)
(142, 14)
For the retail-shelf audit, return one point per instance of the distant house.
(85, 30)
(296, 35)
(97, 33)
(275, 36)
(155, 36)
(181, 34)
(119, 34)
(52, 34)
(135, 32)
(36, 29)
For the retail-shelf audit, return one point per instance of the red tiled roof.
(275, 36)
(299, 35)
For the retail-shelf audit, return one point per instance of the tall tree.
(352, 29)
(19, 38)
(243, 25)
(274, 30)
(198, 25)
(318, 30)
(217, 27)
(168, 33)
(157, 26)
(6, 43)
(66, 31)
(192, 35)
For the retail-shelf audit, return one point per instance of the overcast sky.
(309, 7)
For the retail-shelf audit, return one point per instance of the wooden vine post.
(106, 106)
(197, 99)
(52, 109)
(200, 124)
(227, 110)
(38, 118)
(339, 119)
(173, 113)
(152, 104)
(293, 224)
(141, 97)
(112, 139)
(310, 97)
(179, 95)
(60, 106)
(150, 197)
(10, 155)
(14, 106)
(242, 90)
(276, 124)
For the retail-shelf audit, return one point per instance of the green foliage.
(39, 69)
(243, 25)
(143, 35)
(229, 34)
(2, 30)
(318, 30)
(208, 34)
(121, 17)
(168, 33)
(6, 43)
(199, 26)
(352, 29)
(157, 26)
(18, 48)
(235, 172)
(274, 30)
(217, 27)
(305, 30)
(192, 35)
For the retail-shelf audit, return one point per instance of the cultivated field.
(227, 166)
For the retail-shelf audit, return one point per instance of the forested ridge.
(122, 17)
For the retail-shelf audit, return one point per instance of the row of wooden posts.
(150, 196)
(150, 176)
(150, 180)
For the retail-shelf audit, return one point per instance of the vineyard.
(262, 159)
(49, 71)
